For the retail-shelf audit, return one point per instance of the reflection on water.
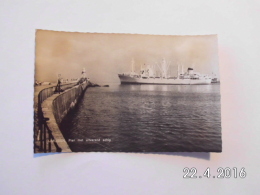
(147, 118)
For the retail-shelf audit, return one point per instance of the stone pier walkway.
(37, 90)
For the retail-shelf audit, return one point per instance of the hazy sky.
(105, 55)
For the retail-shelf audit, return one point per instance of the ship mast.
(178, 71)
(133, 62)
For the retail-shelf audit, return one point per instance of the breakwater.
(50, 109)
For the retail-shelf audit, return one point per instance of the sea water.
(146, 118)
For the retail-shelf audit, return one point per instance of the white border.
(235, 22)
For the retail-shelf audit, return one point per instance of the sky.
(105, 55)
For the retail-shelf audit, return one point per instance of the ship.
(214, 78)
(148, 75)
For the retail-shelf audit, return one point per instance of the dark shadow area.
(200, 155)
(36, 155)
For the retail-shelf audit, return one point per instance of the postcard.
(109, 92)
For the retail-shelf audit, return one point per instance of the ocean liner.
(148, 76)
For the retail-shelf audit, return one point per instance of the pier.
(49, 110)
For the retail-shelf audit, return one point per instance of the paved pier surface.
(49, 114)
(37, 90)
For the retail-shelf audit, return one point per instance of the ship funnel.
(190, 70)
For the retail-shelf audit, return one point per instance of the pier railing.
(43, 138)
(63, 107)
(46, 139)
(48, 92)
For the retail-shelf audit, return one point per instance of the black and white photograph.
(101, 92)
(130, 97)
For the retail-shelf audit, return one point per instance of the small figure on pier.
(58, 86)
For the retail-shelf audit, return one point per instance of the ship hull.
(162, 81)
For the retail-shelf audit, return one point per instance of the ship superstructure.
(148, 76)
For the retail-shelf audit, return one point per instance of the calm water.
(146, 118)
